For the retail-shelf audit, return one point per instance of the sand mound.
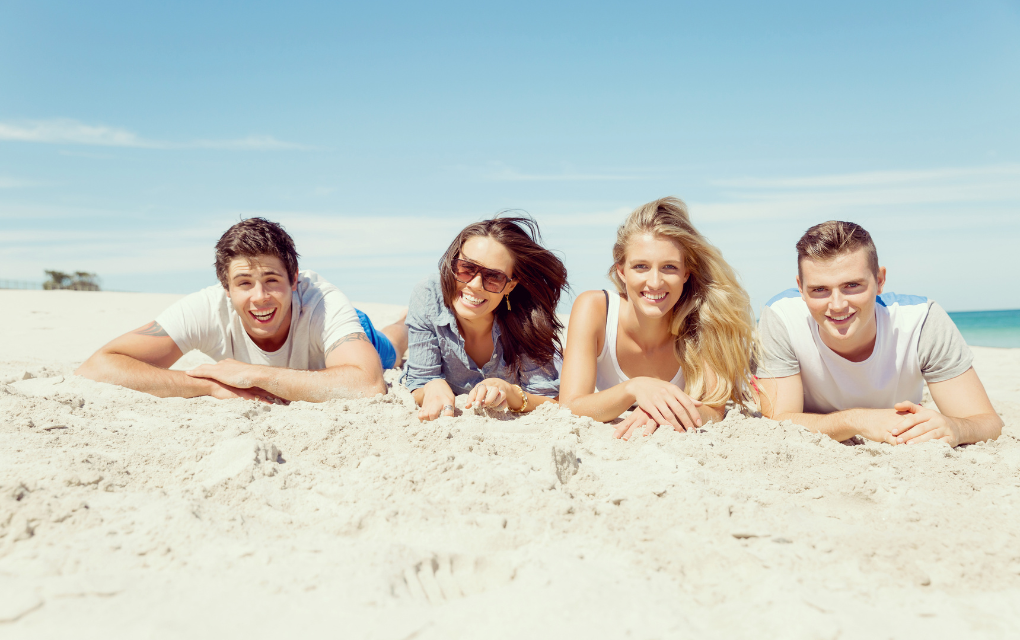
(124, 515)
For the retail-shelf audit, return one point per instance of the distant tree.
(85, 281)
(78, 281)
(58, 280)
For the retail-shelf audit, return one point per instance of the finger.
(475, 395)
(909, 421)
(683, 413)
(924, 437)
(500, 400)
(491, 394)
(632, 427)
(448, 409)
(663, 417)
(906, 406)
(624, 425)
(672, 408)
(651, 427)
(915, 431)
(691, 406)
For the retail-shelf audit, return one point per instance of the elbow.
(995, 427)
(378, 388)
(89, 369)
(569, 402)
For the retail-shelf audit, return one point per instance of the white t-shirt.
(320, 316)
(916, 341)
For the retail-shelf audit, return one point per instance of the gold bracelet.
(524, 395)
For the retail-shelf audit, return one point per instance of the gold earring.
(508, 302)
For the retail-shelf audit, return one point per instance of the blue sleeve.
(542, 380)
(424, 356)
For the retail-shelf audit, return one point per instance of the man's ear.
(880, 279)
(799, 287)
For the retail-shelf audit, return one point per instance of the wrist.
(517, 393)
(629, 389)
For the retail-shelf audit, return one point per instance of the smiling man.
(844, 359)
(275, 333)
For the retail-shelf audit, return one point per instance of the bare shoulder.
(588, 319)
(590, 302)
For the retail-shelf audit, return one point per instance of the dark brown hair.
(531, 328)
(834, 238)
(255, 237)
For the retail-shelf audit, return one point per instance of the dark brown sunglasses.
(493, 281)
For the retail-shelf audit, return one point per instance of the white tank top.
(608, 373)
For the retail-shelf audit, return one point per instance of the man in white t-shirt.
(275, 333)
(843, 359)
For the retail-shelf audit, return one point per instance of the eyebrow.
(246, 274)
(845, 282)
(670, 261)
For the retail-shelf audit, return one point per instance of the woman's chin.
(464, 310)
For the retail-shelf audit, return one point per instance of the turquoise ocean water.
(989, 328)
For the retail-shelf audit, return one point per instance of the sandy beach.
(123, 515)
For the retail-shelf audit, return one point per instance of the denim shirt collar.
(446, 317)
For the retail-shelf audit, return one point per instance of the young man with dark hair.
(275, 332)
(842, 358)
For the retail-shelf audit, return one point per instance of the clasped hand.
(659, 403)
(491, 393)
(232, 379)
(919, 425)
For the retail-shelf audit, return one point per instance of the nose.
(477, 281)
(654, 279)
(836, 301)
(259, 292)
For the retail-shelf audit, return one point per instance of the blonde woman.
(673, 341)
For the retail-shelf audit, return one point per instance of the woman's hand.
(438, 400)
(665, 403)
(492, 393)
(638, 418)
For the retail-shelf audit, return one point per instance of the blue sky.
(133, 134)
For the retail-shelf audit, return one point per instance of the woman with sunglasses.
(486, 325)
(673, 341)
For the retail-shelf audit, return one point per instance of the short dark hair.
(532, 328)
(255, 237)
(834, 238)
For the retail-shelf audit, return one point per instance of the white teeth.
(265, 315)
(654, 296)
(841, 318)
(471, 299)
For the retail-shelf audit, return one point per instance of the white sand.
(127, 516)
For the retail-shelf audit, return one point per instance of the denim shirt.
(437, 350)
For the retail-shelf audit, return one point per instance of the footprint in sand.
(442, 578)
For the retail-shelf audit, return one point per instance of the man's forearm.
(343, 381)
(985, 426)
(119, 369)
(841, 425)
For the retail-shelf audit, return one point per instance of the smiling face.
(471, 301)
(260, 291)
(840, 294)
(654, 273)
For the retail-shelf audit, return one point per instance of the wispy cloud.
(986, 189)
(66, 131)
(16, 183)
(499, 172)
(875, 178)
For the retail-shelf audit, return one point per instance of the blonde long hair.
(713, 321)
